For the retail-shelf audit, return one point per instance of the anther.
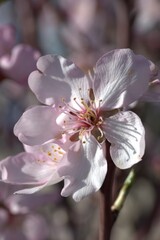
(91, 94)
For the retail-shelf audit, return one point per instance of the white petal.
(121, 77)
(26, 168)
(126, 134)
(37, 125)
(55, 79)
(84, 170)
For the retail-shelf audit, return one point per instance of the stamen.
(91, 94)
(78, 103)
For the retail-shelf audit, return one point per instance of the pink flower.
(16, 61)
(83, 111)
(35, 168)
(19, 63)
(18, 216)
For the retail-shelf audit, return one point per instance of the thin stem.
(105, 200)
(118, 204)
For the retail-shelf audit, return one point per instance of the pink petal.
(35, 171)
(121, 77)
(84, 170)
(25, 168)
(37, 125)
(20, 63)
(54, 79)
(126, 134)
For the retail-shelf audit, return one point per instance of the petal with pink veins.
(121, 77)
(126, 134)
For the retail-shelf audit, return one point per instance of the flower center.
(83, 119)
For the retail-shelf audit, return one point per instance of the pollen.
(49, 153)
(60, 152)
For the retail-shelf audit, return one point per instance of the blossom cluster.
(65, 137)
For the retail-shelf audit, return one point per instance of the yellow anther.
(49, 154)
(91, 94)
(60, 152)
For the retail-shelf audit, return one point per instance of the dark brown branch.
(105, 200)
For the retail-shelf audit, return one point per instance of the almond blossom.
(80, 113)
(13, 55)
(19, 218)
(42, 159)
(12, 63)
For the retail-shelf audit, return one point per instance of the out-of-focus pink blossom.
(83, 111)
(18, 217)
(43, 159)
(18, 64)
(16, 61)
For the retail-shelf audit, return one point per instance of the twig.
(105, 199)
(118, 204)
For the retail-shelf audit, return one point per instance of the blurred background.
(81, 30)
